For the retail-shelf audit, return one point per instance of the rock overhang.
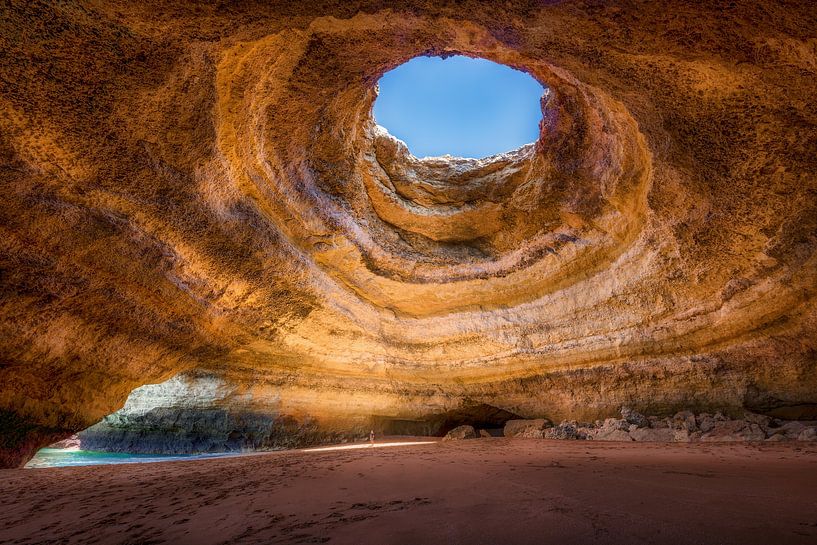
(235, 210)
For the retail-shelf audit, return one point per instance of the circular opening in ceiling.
(459, 106)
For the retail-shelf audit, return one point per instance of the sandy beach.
(478, 491)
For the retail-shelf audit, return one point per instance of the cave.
(208, 245)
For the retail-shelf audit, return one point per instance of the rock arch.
(201, 188)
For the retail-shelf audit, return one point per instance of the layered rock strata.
(201, 413)
(201, 188)
(195, 413)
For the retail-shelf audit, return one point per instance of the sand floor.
(502, 491)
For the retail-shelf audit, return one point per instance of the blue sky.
(460, 106)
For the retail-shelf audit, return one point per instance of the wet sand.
(503, 491)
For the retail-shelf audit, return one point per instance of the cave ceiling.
(200, 187)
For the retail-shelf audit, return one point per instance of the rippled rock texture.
(200, 187)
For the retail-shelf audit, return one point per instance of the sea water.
(52, 457)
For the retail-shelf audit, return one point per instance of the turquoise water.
(50, 457)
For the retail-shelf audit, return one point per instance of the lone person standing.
(371, 438)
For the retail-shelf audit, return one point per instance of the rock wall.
(200, 413)
(200, 187)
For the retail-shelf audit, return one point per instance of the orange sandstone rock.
(201, 188)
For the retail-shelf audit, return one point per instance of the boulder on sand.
(611, 435)
(706, 422)
(634, 417)
(777, 437)
(734, 430)
(565, 430)
(660, 435)
(461, 432)
(808, 434)
(792, 429)
(684, 420)
(526, 428)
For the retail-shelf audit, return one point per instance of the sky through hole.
(459, 106)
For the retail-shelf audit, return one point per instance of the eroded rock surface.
(201, 188)
(202, 413)
(526, 428)
(461, 432)
(684, 427)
